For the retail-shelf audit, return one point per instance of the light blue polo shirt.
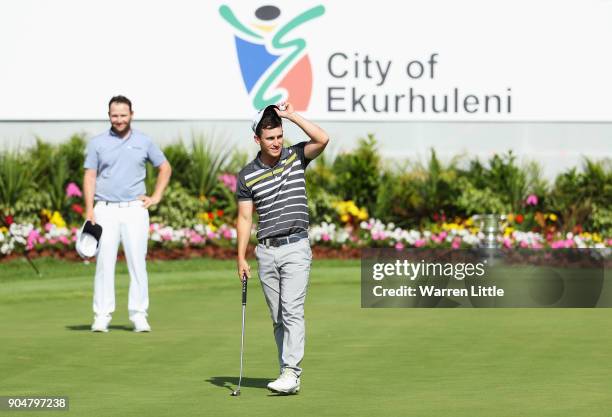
(120, 164)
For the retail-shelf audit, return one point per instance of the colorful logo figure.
(274, 66)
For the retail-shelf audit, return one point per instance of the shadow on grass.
(87, 327)
(231, 382)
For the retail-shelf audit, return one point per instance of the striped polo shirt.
(278, 192)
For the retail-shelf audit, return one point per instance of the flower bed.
(328, 239)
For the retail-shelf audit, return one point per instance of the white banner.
(385, 60)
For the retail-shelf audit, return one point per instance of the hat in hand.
(88, 240)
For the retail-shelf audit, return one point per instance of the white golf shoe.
(100, 324)
(140, 324)
(287, 383)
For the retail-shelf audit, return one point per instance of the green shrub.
(28, 207)
(55, 181)
(501, 187)
(320, 180)
(357, 174)
(473, 200)
(207, 162)
(180, 160)
(435, 184)
(179, 208)
(15, 179)
(398, 199)
(583, 198)
(236, 161)
(74, 152)
(601, 219)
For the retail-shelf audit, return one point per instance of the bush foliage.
(406, 193)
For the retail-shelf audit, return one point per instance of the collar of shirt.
(258, 162)
(112, 133)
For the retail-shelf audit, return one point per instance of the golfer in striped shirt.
(274, 185)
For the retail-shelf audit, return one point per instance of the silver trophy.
(491, 227)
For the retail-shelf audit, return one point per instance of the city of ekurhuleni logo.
(274, 65)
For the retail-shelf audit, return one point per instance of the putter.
(244, 298)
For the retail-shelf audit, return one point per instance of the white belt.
(121, 204)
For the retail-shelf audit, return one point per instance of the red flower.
(219, 213)
(9, 220)
(211, 215)
(436, 217)
(519, 218)
(77, 208)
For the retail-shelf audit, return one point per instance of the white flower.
(7, 248)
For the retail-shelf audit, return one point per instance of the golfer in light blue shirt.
(115, 170)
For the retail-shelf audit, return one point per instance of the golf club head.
(235, 393)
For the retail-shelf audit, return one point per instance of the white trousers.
(130, 226)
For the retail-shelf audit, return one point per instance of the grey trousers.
(284, 273)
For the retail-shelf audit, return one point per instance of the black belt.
(283, 240)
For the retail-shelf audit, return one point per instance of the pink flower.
(507, 243)
(48, 227)
(325, 237)
(73, 190)
(64, 240)
(399, 246)
(227, 234)
(229, 180)
(532, 200)
(443, 235)
(419, 243)
(524, 244)
(456, 243)
(196, 238)
(33, 237)
(557, 244)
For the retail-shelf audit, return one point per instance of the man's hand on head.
(285, 109)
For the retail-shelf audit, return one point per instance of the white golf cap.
(88, 240)
(259, 115)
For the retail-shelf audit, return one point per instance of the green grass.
(359, 362)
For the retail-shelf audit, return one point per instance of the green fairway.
(359, 362)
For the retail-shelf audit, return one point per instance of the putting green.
(359, 362)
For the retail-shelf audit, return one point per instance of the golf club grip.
(244, 289)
